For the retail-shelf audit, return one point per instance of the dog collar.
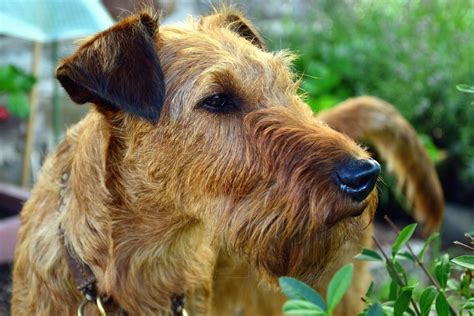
(85, 279)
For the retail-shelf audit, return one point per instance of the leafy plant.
(16, 84)
(451, 291)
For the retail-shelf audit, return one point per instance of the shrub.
(16, 84)
(451, 288)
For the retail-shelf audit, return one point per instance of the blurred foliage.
(411, 53)
(16, 84)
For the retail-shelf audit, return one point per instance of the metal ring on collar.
(100, 307)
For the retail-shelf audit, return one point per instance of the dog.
(200, 176)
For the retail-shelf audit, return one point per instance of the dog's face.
(216, 132)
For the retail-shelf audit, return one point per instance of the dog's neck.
(115, 224)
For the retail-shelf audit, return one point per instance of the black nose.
(357, 178)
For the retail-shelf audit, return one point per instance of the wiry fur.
(196, 201)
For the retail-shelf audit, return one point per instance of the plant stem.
(387, 259)
(399, 280)
(418, 262)
(461, 244)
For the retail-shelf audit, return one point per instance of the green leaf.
(394, 288)
(297, 290)
(13, 79)
(18, 104)
(442, 270)
(24, 82)
(432, 237)
(369, 255)
(402, 302)
(404, 235)
(394, 275)
(442, 306)
(464, 261)
(426, 300)
(388, 308)
(465, 88)
(469, 304)
(453, 285)
(375, 310)
(370, 290)
(401, 272)
(465, 284)
(338, 286)
(405, 255)
(301, 307)
(6, 82)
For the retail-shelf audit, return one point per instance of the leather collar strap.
(81, 272)
(85, 279)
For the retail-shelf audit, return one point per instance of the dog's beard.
(289, 237)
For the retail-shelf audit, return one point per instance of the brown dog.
(199, 164)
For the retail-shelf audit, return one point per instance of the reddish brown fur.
(188, 203)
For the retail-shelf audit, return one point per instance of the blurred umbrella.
(49, 21)
(52, 20)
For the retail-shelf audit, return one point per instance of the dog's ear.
(118, 69)
(236, 22)
(239, 24)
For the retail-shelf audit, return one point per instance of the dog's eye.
(218, 103)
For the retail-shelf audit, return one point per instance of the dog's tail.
(369, 118)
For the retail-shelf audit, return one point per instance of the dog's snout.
(357, 177)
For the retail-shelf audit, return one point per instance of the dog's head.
(207, 125)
